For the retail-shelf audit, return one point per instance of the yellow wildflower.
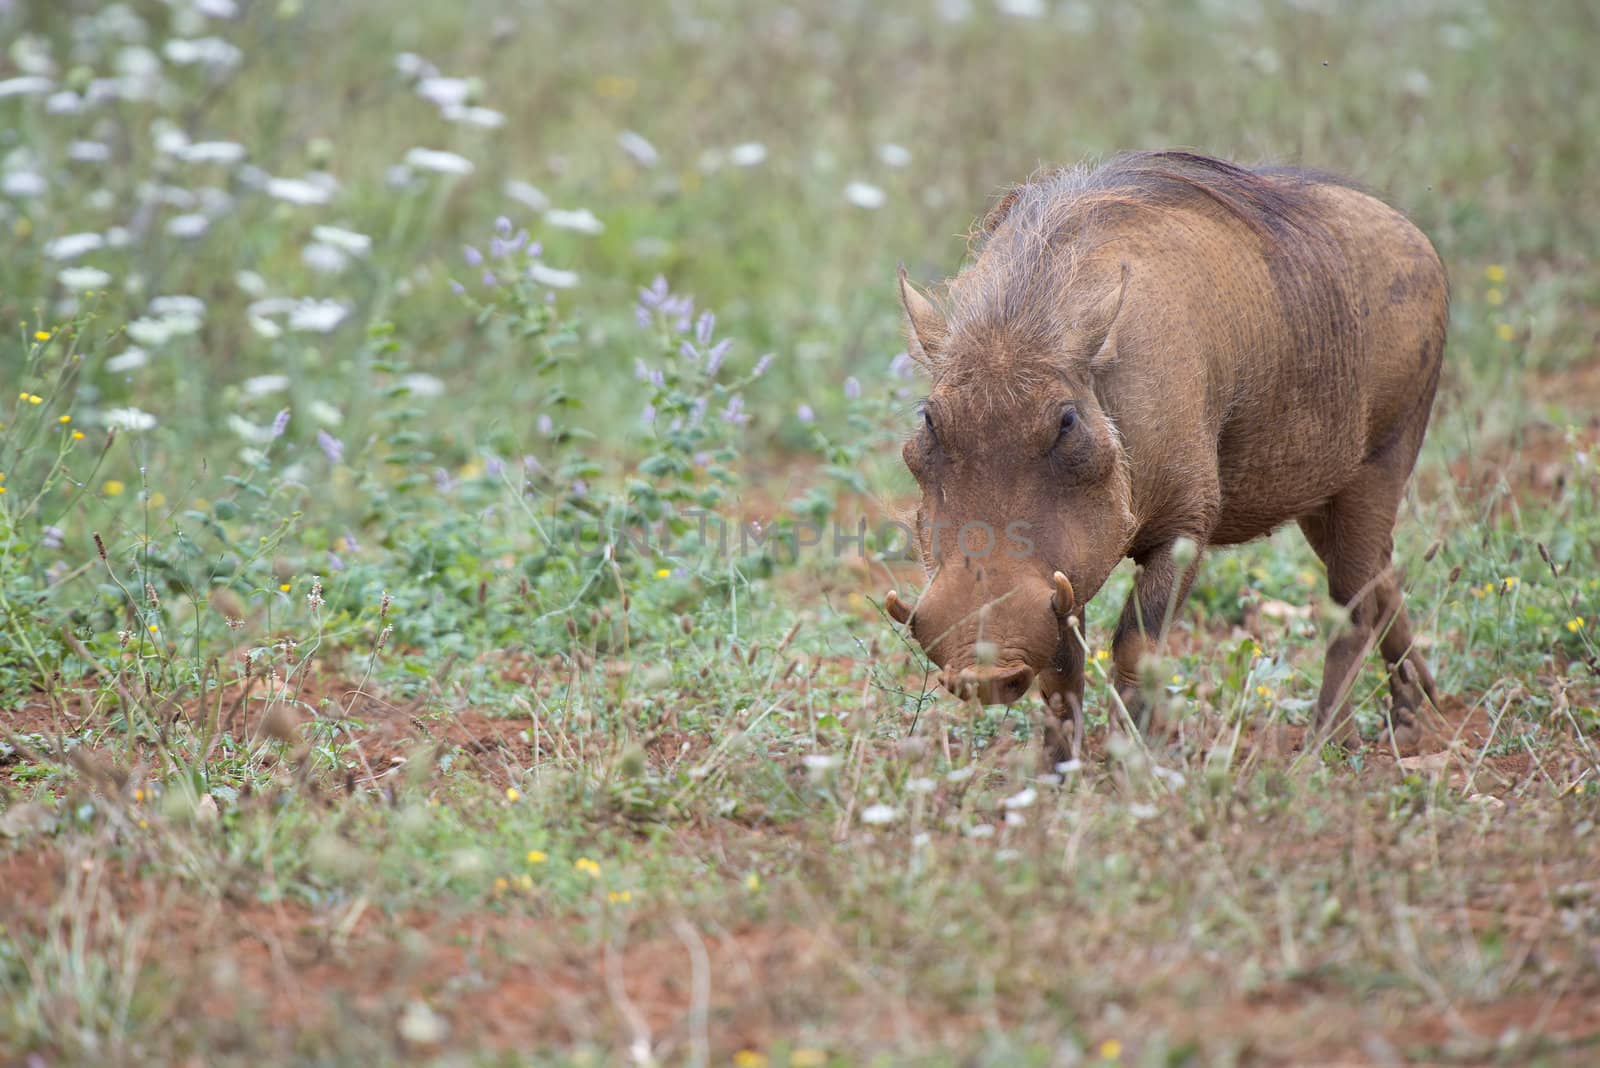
(77, 435)
(1110, 1049)
(620, 897)
(285, 586)
(113, 487)
(1505, 332)
(588, 867)
(525, 882)
(154, 629)
(1494, 297)
(749, 1058)
(41, 335)
(65, 419)
(1509, 582)
(1177, 680)
(537, 856)
(1495, 273)
(34, 398)
(663, 572)
(1262, 691)
(1575, 624)
(752, 881)
(808, 1058)
(512, 793)
(500, 885)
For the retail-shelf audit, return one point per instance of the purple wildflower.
(648, 416)
(805, 414)
(652, 297)
(489, 279)
(493, 466)
(718, 352)
(334, 561)
(580, 488)
(280, 423)
(502, 225)
(852, 388)
(641, 370)
(331, 446)
(545, 424)
(697, 411)
(703, 328)
(471, 255)
(53, 537)
(688, 352)
(442, 480)
(498, 249)
(350, 542)
(457, 288)
(734, 413)
(762, 366)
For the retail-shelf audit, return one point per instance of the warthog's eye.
(927, 421)
(1069, 419)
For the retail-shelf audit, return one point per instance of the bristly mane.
(1030, 244)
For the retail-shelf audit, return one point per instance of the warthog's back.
(1280, 330)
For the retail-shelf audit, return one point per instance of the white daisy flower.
(261, 385)
(439, 162)
(188, 226)
(641, 151)
(130, 359)
(317, 316)
(422, 385)
(174, 304)
(130, 419)
(445, 92)
(582, 220)
(487, 118)
(529, 196)
(350, 241)
(748, 154)
(213, 152)
(894, 155)
(71, 246)
(864, 195)
(79, 279)
(24, 184)
(879, 814)
(324, 258)
(298, 191)
(27, 85)
(552, 276)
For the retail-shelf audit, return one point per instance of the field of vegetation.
(435, 623)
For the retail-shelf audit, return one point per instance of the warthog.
(1161, 348)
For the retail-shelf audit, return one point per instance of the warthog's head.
(1025, 498)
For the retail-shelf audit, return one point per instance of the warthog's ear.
(1094, 326)
(925, 327)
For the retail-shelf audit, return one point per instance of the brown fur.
(1240, 348)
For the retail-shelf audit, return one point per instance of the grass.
(407, 665)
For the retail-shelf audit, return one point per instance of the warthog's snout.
(989, 685)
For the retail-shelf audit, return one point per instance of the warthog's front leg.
(1159, 589)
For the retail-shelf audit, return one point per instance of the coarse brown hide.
(1161, 350)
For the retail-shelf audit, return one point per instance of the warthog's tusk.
(1063, 599)
(899, 611)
